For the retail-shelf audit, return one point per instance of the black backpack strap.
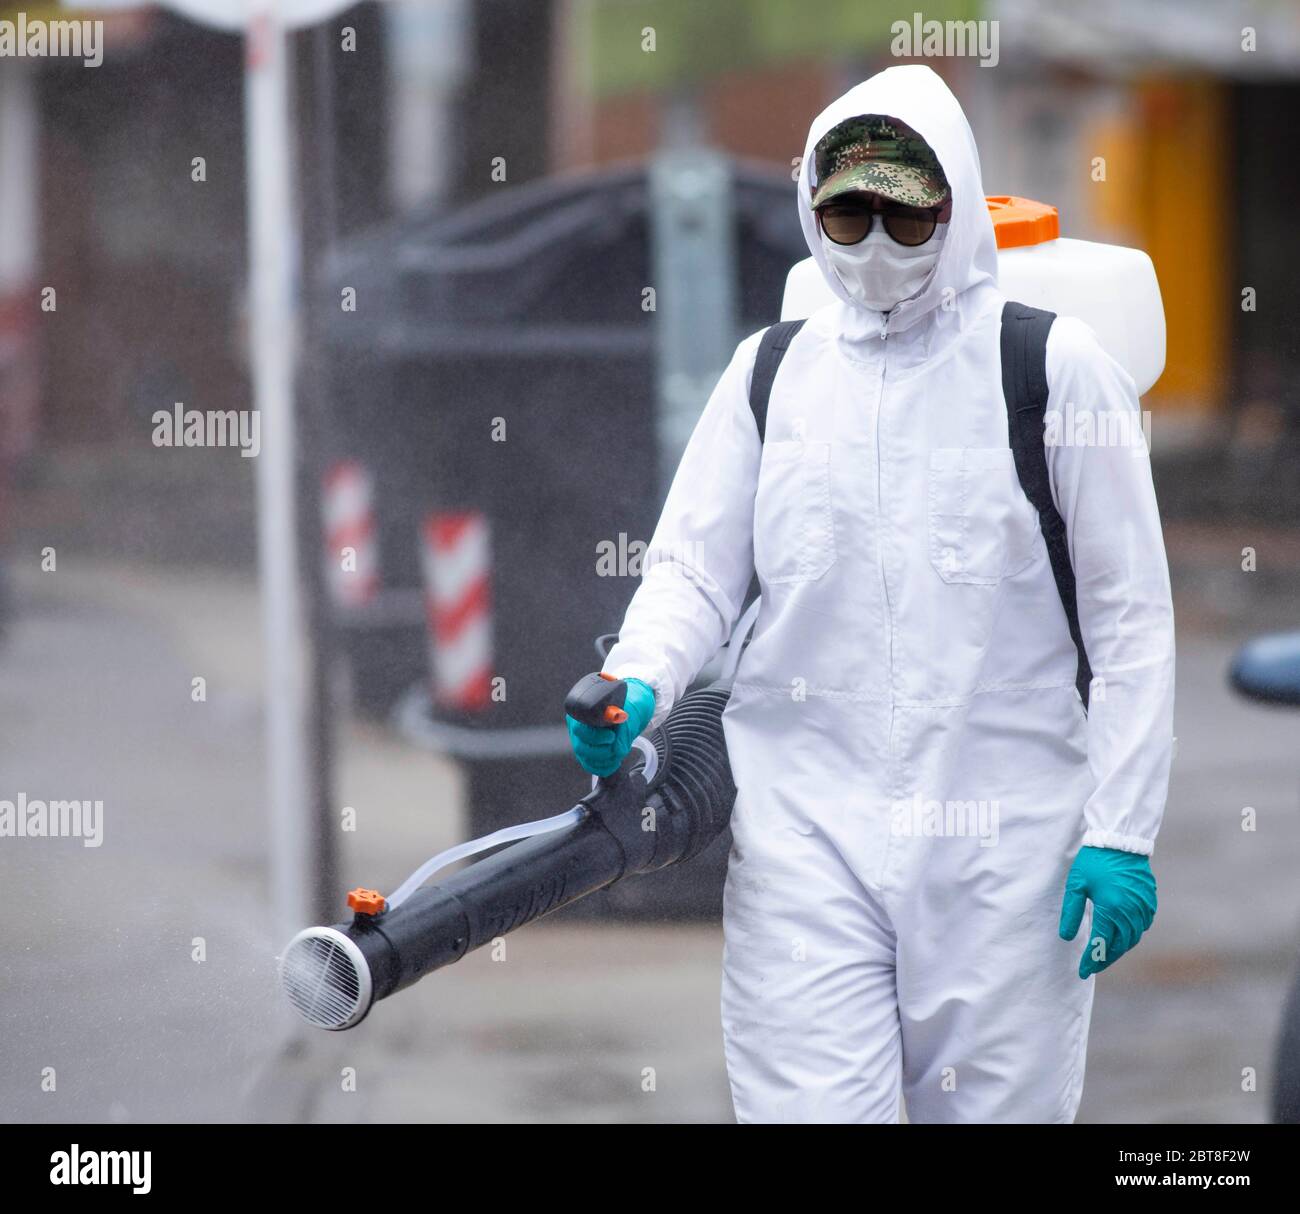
(1024, 384)
(771, 350)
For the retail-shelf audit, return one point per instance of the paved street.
(97, 979)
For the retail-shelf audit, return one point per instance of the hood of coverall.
(917, 96)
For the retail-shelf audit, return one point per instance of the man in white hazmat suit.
(910, 656)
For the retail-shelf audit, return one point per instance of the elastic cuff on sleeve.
(1118, 842)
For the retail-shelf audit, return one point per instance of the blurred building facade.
(1157, 125)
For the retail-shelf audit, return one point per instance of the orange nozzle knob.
(366, 901)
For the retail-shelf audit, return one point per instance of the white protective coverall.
(912, 652)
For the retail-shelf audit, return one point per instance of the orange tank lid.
(1019, 222)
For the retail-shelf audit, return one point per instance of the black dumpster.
(499, 367)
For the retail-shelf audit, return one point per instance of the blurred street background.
(481, 193)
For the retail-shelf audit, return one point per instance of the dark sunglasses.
(849, 222)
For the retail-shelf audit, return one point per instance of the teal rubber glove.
(602, 749)
(1123, 893)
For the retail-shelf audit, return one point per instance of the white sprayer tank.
(1111, 288)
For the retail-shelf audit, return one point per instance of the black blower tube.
(333, 975)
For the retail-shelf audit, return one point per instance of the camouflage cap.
(878, 154)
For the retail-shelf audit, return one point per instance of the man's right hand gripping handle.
(605, 715)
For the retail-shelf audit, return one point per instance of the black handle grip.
(597, 700)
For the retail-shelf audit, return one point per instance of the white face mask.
(878, 272)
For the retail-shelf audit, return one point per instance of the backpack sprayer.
(671, 798)
(1112, 288)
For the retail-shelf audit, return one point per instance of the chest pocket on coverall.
(982, 527)
(794, 527)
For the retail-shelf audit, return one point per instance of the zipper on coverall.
(880, 552)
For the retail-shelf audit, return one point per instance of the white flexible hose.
(737, 645)
(510, 834)
(462, 851)
(646, 747)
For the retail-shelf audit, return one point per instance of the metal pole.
(273, 268)
(321, 211)
(693, 251)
